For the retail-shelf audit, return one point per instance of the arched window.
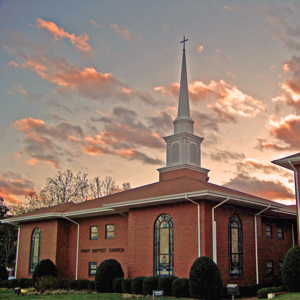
(163, 246)
(235, 246)
(193, 153)
(35, 249)
(175, 152)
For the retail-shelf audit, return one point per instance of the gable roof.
(166, 191)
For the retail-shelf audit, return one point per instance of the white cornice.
(182, 166)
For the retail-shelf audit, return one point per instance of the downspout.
(297, 198)
(198, 217)
(256, 247)
(17, 250)
(214, 229)
(77, 248)
(293, 235)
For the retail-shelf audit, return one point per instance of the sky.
(93, 86)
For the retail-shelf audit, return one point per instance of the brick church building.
(162, 227)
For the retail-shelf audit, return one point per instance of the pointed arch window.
(163, 246)
(175, 152)
(235, 246)
(35, 249)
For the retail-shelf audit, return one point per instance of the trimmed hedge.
(107, 271)
(44, 268)
(205, 280)
(126, 286)
(165, 284)
(3, 273)
(117, 285)
(137, 285)
(180, 288)
(150, 284)
(263, 293)
(290, 271)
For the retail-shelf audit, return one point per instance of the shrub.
(5, 284)
(150, 284)
(73, 284)
(137, 285)
(180, 288)
(13, 283)
(91, 285)
(263, 293)
(107, 271)
(117, 285)
(290, 271)
(3, 273)
(63, 284)
(165, 284)
(44, 268)
(126, 286)
(22, 283)
(45, 283)
(205, 279)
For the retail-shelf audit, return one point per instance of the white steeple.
(183, 122)
(183, 147)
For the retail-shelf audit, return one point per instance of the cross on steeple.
(184, 40)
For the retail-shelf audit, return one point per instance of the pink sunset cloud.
(124, 31)
(219, 95)
(80, 41)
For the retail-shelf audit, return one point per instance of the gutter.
(214, 229)
(198, 217)
(256, 246)
(297, 198)
(77, 248)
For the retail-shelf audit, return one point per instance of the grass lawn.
(10, 294)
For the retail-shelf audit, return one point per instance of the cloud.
(200, 48)
(41, 139)
(219, 95)
(13, 63)
(80, 41)
(225, 155)
(124, 31)
(252, 165)
(96, 24)
(13, 185)
(86, 82)
(269, 189)
(286, 132)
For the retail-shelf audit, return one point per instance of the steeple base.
(167, 173)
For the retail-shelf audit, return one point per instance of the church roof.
(285, 161)
(163, 192)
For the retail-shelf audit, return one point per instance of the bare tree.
(65, 187)
(126, 186)
(95, 188)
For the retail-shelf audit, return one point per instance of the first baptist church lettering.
(162, 227)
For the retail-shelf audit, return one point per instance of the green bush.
(150, 284)
(3, 273)
(137, 285)
(82, 284)
(73, 284)
(63, 284)
(165, 284)
(5, 284)
(13, 283)
(107, 271)
(290, 271)
(180, 288)
(117, 285)
(46, 283)
(126, 286)
(205, 279)
(44, 268)
(263, 293)
(91, 285)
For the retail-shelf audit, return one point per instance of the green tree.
(8, 239)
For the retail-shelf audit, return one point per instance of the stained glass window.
(94, 233)
(163, 246)
(270, 267)
(110, 231)
(235, 246)
(35, 249)
(175, 152)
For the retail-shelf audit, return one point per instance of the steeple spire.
(183, 122)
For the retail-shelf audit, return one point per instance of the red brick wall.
(141, 238)
(48, 244)
(120, 241)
